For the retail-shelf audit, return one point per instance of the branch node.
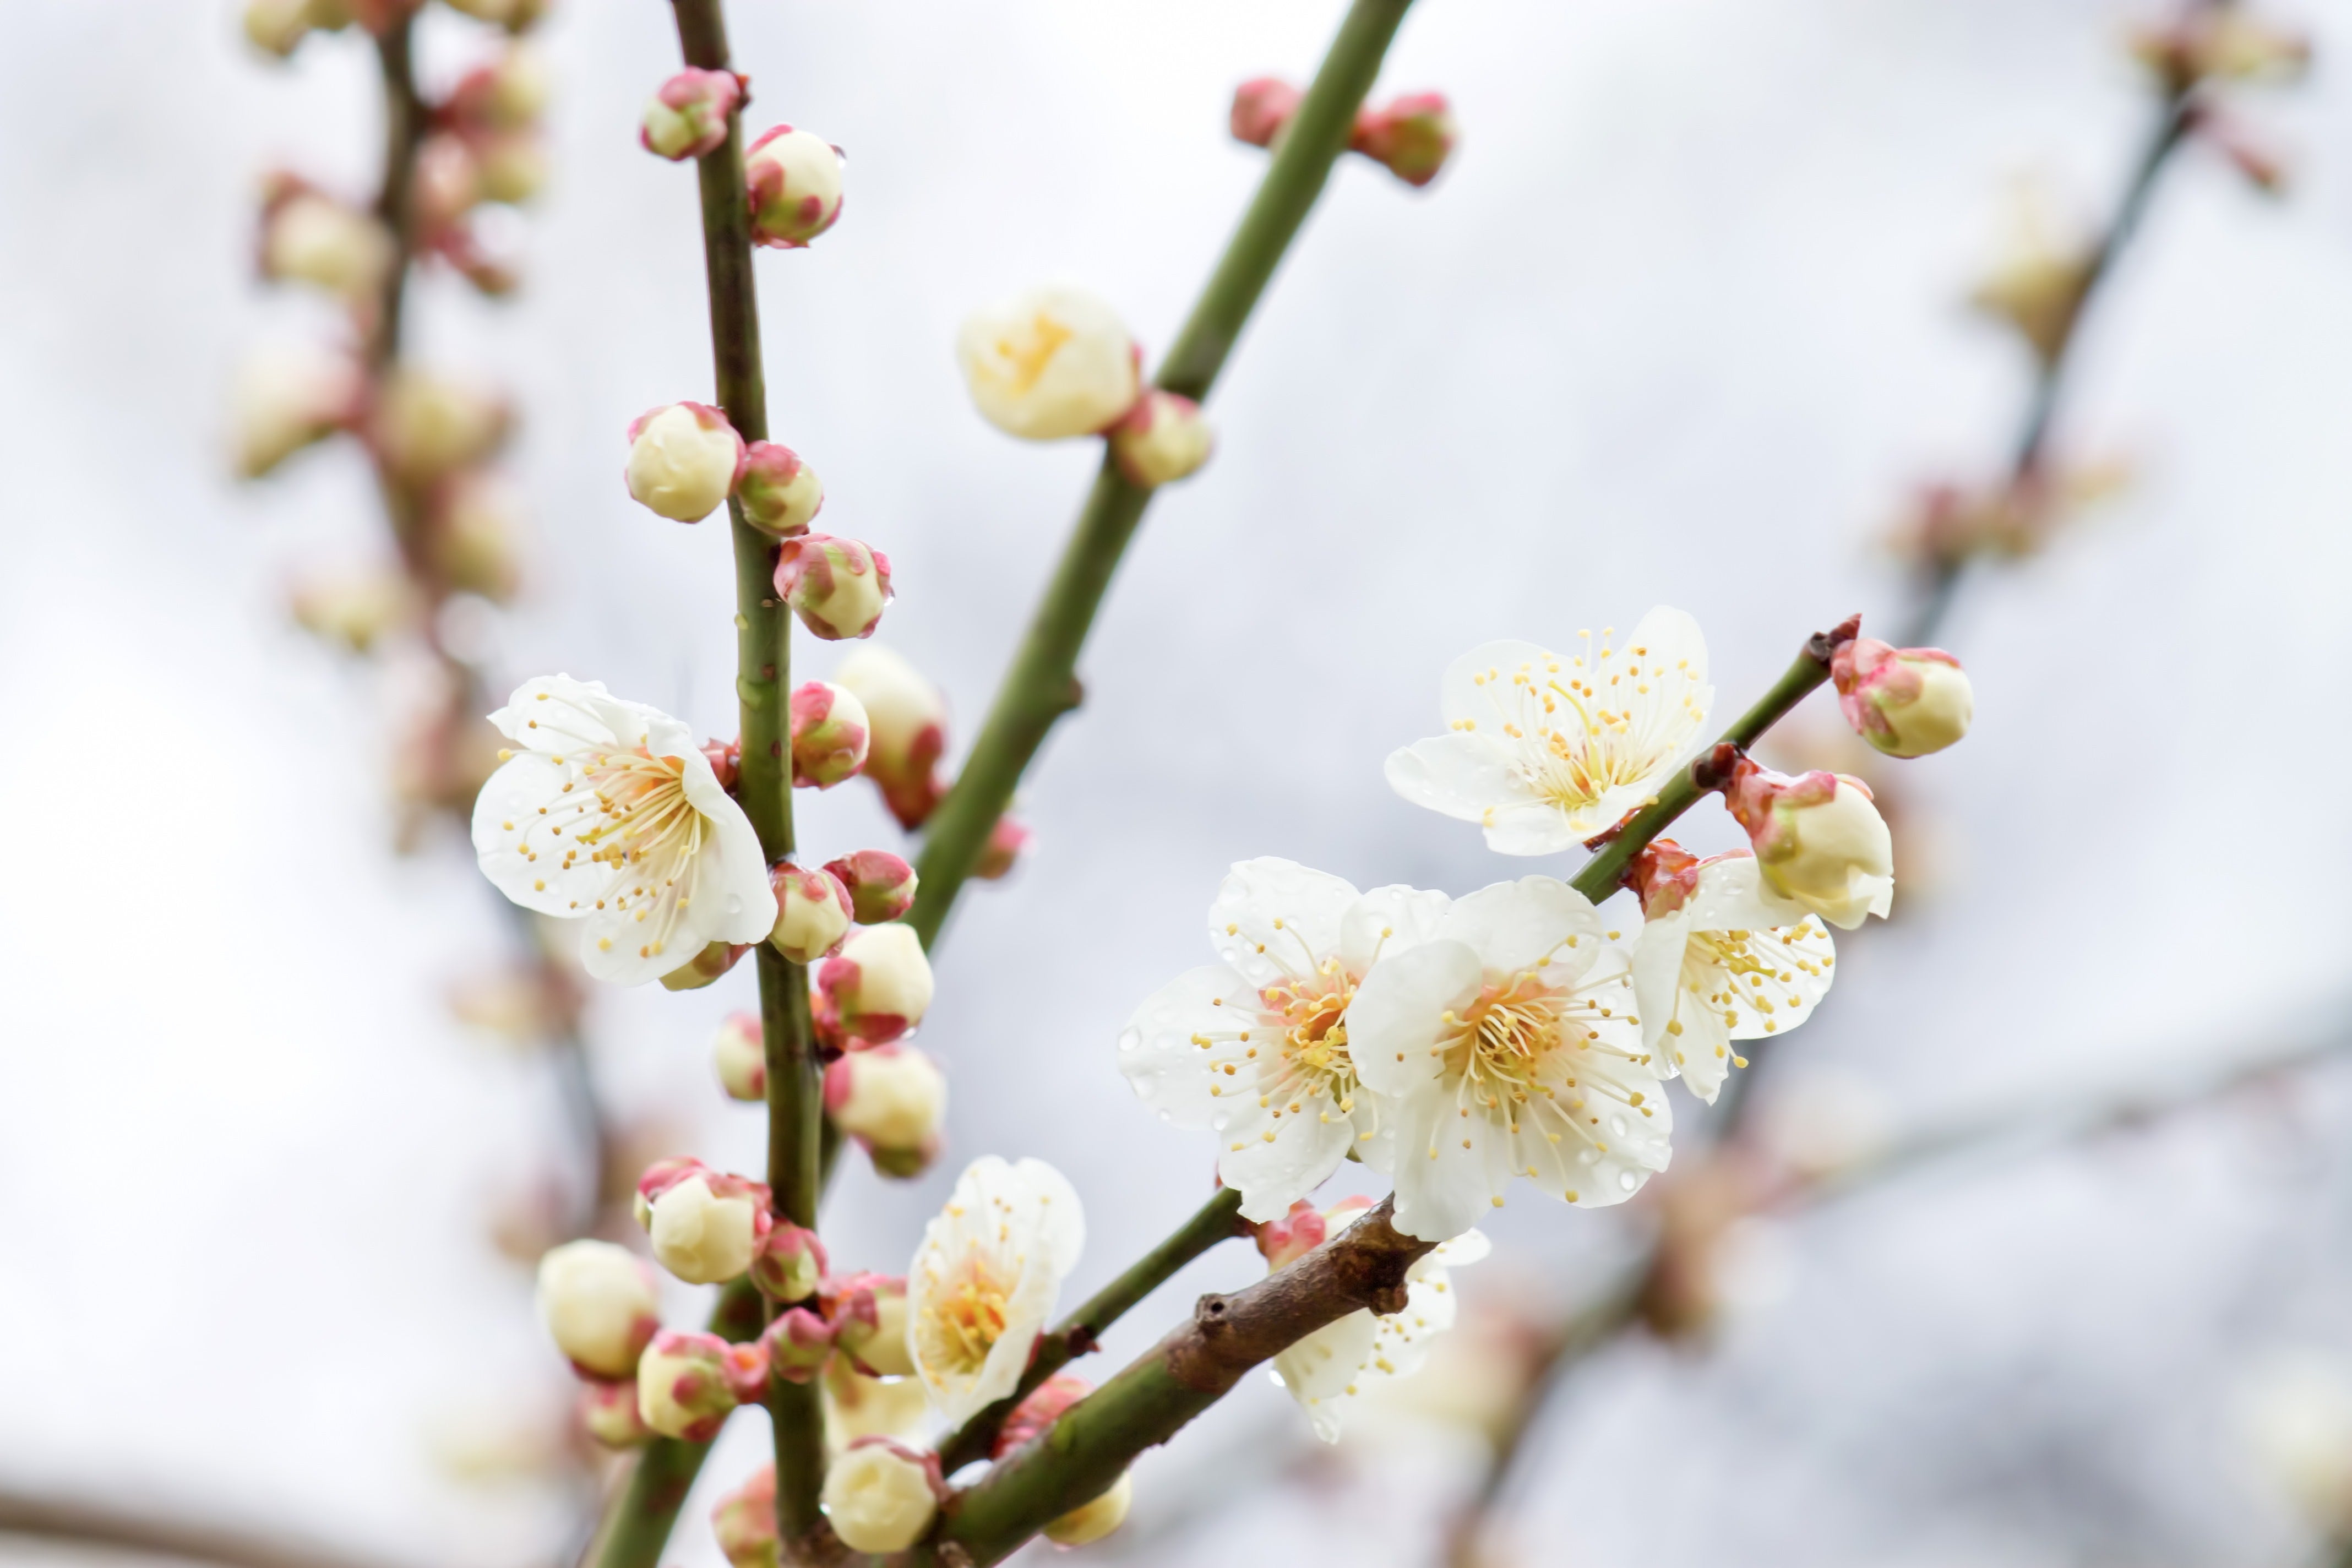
(1715, 770)
(1821, 647)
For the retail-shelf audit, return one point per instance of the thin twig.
(54, 1517)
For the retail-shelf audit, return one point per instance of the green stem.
(1076, 1335)
(1042, 685)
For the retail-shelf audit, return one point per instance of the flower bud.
(1411, 138)
(836, 587)
(684, 458)
(601, 1305)
(705, 967)
(797, 1344)
(893, 1101)
(1162, 438)
(868, 1313)
(2226, 42)
(1906, 701)
(447, 185)
(793, 180)
(514, 16)
(1293, 1237)
(829, 735)
(279, 26)
(1818, 839)
(881, 1497)
(283, 401)
(881, 983)
(741, 1059)
(813, 910)
(1049, 364)
(353, 608)
(507, 94)
(509, 167)
(1032, 1416)
(687, 118)
(2037, 286)
(856, 1406)
(471, 534)
(881, 886)
(745, 1521)
(790, 1264)
(779, 494)
(1006, 840)
(425, 426)
(308, 237)
(1091, 1522)
(1261, 106)
(706, 1225)
(906, 721)
(608, 1413)
(687, 1383)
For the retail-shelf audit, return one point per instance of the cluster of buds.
(706, 1225)
(1949, 523)
(706, 967)
(1412, 136)
(485, 148)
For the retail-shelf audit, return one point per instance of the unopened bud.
(509, 167)
(793, 181)
(892, 1100)
(836, 587)
(881, 1497)
(353, 608)
(279, 26)
(880, 985)
(608, 1413)
(684, 458)
(744, 1521)
(1261, 106)
(1293, 1237)
(906, 722)
(1162, 438)
(705, 1225)
(779, 494)
(447, 185)
(1818, 839)
(687, 1383)
(601, 1305)
(868, 1313)
(283, 401)
(687, 118)
(740, 1057)
(427, 425)
(705, 967)
(2038, 289)
(790, 1264)
(797, 1344)
(309, 238)
(471, 534)
(1664, 877)
(881, 885)
(1411, 138)
(1032, 1417)
(2225, 42)
(1904, 702)
(1091, 1522)
(813, 910)
(507, 94)
(830, 735)
(1002, 851)
(1049, 364)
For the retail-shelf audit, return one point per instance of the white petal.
(1398, 1014)
(1442, 1188)
(735, 877)
(1615, 1147)
(1301, 1156)
(1387, 920)
(557, 713)
(514, 819)
(1733, 894)
(1520, 925)
(1061, 1218)
(1255, 896)
(1657, 962)
(1155, 1050)
(1472, 778)
(1320, 1369)
(1476, 688)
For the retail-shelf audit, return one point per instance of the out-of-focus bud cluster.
(1412, 136)
(2039, 275)
(2218, 44)
(1949, 523)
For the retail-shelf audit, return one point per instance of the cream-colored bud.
(315, 240)
(890, 1097)
(813, 912)
(1092, 1521)
(1819, 840)
(741, 1059)
(793, 179)
(1048, 364)
(284, 400)
(701, 1237)
(600, 1304)
(1164, 438)
(879, 1497)
(427, 425)
(682, 461)
(880, 982)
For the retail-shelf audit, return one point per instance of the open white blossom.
(1723, 956)
(606, 812)
(1543, 750)
(1508, 1046)
(1359, 1352)
(1257, 1047)
(985, 1280)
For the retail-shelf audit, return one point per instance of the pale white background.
(1679, 327)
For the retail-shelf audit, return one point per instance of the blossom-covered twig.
(1042, 685)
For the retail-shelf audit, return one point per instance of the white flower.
(1052, 362)
(985, 1280)
(1731, 960)
(1545, 750)
(1353, 1356)
(608, 812)
(1259, 1046)
(1508, 1046)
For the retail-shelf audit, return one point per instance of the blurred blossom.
(1820, 1122)
(2037, 275)
(308, 237)
(354, 607)
(1048, 365)
(1702, 1200)
(426, 424)
(1948, 522)
(520, 1004)
(1475, 1378)
(516, 1437)
(2297, 1413)
(286, 398)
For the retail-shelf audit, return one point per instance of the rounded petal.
(735, 881)
(1449, 1169)
(1657, 971)
(1527, 923)
(1387, 920)
(1061, 1218)
(1469, 692)
(557, 713)
(1398, 1011)
(1274, 919)
(1732, 895)
(1274, 1163)
(1472, 778)
(1320, 1371)
(1157, 1051)
(515, 818)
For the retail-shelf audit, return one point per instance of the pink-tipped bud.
(741, 1059)
(1411, 138)
(893, 1099)
(1664, 875)
(687, 118)
(790, 1264)
(793, 181)
(509, 167)
(868, 1313)
(706, 1225)
(881, 1497)
(726, 759)
(684, 458)
(779, 494)
(812, 911)
(447, 185)
(510, 93)
(1006, 840)
(601, 1305)
(2225, 42)
(1293, 1237)
(608, 1413)
(1161, 439)
(836, 587)
(472, 528)
(425, 426)
(907, 719)
(829, 735)
(744, 1520)
(1032, 1416)
(705, 967)
(1261, 106)
(1907, 702)
(880, 985)
(1819, 840)
(797, 1344)
(687, 1383)
(881, 886)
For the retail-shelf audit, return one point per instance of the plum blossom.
(986, 1278)
(1259, 1046)
(1508, 1046)
(1545, 750)
(607, 813)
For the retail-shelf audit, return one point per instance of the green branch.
(1042, 685)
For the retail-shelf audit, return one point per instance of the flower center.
(1501, 1043)
(966, 1320)
(1587, 727)
(1729, 970)
(1030, 353)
